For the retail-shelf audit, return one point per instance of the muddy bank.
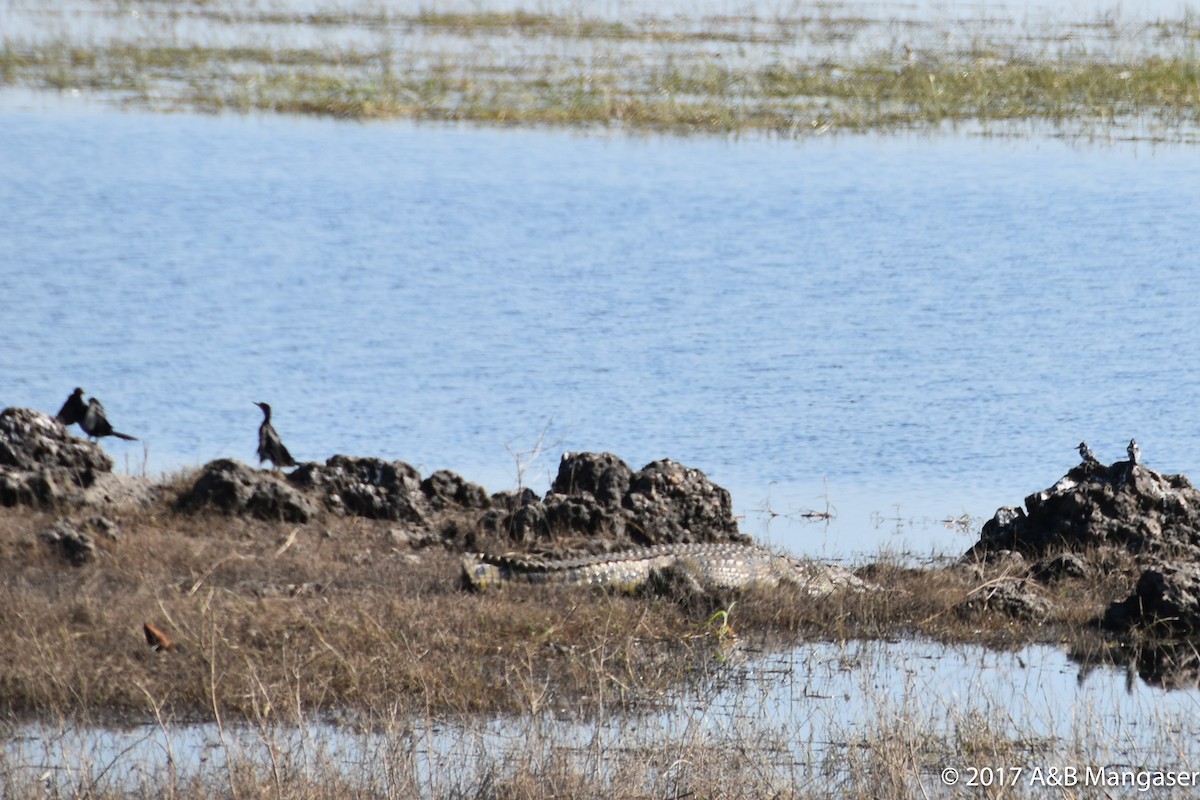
(1124, 520)
(1138, 528)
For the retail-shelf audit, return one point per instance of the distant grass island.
(806, 72)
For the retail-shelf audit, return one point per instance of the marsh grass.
(341, 616)
(897, 751)
(335, 659)
(716, 74)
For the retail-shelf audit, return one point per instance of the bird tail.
(124, 436)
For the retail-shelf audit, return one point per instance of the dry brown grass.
(282, 628)
(344, 616)
(273, 620)
(929, 603)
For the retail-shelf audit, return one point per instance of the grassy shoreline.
(785, 76)
(341, 657)
(388, 681)
(347, 616)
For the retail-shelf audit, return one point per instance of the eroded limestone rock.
(602, 476)
(43, 465)
(446, 489)
(596, 496)
(1122, 505)
(232, 487)
(1166, 601)
(71, 543)
(364, 487)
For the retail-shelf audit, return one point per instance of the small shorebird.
(270, 446)
(1087, 455)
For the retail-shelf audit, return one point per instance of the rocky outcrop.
(364, 487)
(69, 542)
(1163, 613)
(596, 496)
(1150, 520)
(114, 491)
(585, 500)
(1166, 601)
(1122, 505)
(513, 516)
(1060, 567)
(1014, 598)
(233, 488)
(603, 477)
(673, 503)
(445, 489)
(43, 465)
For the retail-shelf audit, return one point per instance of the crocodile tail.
(476, 574)
(480, 572)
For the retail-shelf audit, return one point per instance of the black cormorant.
(270, 446)
(73, 410)
(95, 423)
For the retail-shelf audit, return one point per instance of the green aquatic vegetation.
(719, 74)
(528, 23)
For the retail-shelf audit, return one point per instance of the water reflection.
(1167, 664)
(808, 715)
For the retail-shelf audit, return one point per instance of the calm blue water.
(910, 327)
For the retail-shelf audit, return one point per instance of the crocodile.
(695, 567)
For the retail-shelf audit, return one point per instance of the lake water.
(910, 328)
(905, 328)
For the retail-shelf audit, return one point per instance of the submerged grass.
(707, 74)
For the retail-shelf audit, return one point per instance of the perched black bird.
(270, 446)
(1134, 452)
(1087, 455)
(95, 423)
(73, 410)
